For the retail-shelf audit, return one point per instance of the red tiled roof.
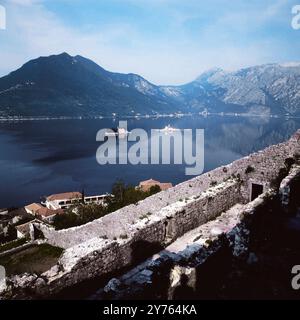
(34, 207)
(45, 212)
(150, 181)
(65, 196)
(146, 185)
(25, 228)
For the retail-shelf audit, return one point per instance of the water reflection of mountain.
(247, 136)
(73, 139)
(45, 157)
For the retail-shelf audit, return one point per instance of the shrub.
(84, 214)
(213, 183)
(297, 157)
(289, 162)
(249, 169)
(275, 183)
(122, 196)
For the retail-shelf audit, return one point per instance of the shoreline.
(138, 117)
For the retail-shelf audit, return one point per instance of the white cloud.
(34, 31)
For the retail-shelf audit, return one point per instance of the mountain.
(62, 85)
(270, 88)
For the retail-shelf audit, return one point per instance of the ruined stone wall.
(265, 167)
(287, 184)
(112, 242)
(100, 256)
(187, 254)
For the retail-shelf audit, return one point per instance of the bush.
(121, 196)
(213, 183)
(289, 162)
(297, 158)
(275, 183)
(84, 214)
(249, 169)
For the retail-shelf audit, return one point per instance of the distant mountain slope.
(268, 88)
(61, 85)
(74, 86)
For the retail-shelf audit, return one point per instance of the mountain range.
(62, 85)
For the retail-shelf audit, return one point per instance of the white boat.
(120, 132)
(204, 113)
(168, 129)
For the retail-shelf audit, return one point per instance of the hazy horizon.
(161, 84)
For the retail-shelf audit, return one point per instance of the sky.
(165, 41)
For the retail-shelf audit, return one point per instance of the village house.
(63, 200)
(66, 200)
(11, 218)
(95, 199)
(146, 185)
(48, 215)
(26, 230)
(33, 208)
(43, 213)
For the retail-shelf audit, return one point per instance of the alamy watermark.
(2, 18)
(137, 147)
(296, 279)
(296, 17)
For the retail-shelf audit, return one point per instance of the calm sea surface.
(39, 158)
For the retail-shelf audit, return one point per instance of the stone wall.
(287, 184)
(116, 240)
(264, 168)
(100, 256)
(18, 249)
(187, 254)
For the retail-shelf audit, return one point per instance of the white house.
(66, 200)
(62, 200)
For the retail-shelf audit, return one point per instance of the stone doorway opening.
(256, 190)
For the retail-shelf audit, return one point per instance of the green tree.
(121, 196)
(154, 189)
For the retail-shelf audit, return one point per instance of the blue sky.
(166, 41)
